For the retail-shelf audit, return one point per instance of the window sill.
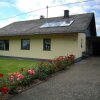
(25, 49)
(4, 50)
(46, 50)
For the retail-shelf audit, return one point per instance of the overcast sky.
(10, 8)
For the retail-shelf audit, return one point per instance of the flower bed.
(18, 81)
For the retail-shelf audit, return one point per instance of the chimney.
(42, 17)
(66, 13)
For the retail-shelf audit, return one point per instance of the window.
(47, 44)
(25, 44)
(4, 44)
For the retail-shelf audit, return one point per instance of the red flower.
(50, 61)
(1, 75)
(60, 58)
(4, 90)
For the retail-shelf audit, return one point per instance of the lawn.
(8, 65)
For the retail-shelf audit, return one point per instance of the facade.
(41, 40)
(60, 45)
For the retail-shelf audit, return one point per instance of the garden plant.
(16, 81)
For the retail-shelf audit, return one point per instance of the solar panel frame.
(56, 24)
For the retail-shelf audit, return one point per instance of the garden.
(17, 75)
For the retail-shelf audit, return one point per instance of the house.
(47, 38)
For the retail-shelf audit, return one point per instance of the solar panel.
(56, 24)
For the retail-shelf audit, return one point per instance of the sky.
(10, 8)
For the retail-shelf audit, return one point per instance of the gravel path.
(81, 82)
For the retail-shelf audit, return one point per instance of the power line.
(72, 3)
(45, 8)
(21, 14)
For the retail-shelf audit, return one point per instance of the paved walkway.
(81, 82)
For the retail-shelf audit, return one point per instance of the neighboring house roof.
(80, 24)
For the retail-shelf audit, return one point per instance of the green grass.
(8, 65)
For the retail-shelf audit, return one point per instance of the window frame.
(22, 47)
(5, 45)
(44, 44)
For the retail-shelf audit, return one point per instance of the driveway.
(81, 82)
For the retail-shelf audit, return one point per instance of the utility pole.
(47, 11)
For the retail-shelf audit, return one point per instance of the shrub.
(3, 87)
(53, 66)
(26, 77)
(44, 67)
(44, 70)
(62, 62)
(23, 78)
(42, 76)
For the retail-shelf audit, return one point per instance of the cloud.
(29, 5)
(98, 29)
(97, 1)
(4, 4)
(96, 7)
(66, 1)
(53, 11)
(8, 21)
(26, 5)
(38, 4)
(98, 24)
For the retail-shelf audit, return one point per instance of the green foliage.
(25, 76)
(12, 87)
(44, 67)
(42, 76)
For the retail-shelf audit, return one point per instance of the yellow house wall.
(81, 43)
(61, 45)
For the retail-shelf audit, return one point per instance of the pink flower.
(31, 72)
(11, 77)
(20, 76)
(16, 75)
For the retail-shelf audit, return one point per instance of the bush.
(3, 86)
(42, 76)
(44, 67)
(53, 66)
(44, 70)
(61, 63)
(26, 77)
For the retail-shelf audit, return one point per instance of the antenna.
(47, 11)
